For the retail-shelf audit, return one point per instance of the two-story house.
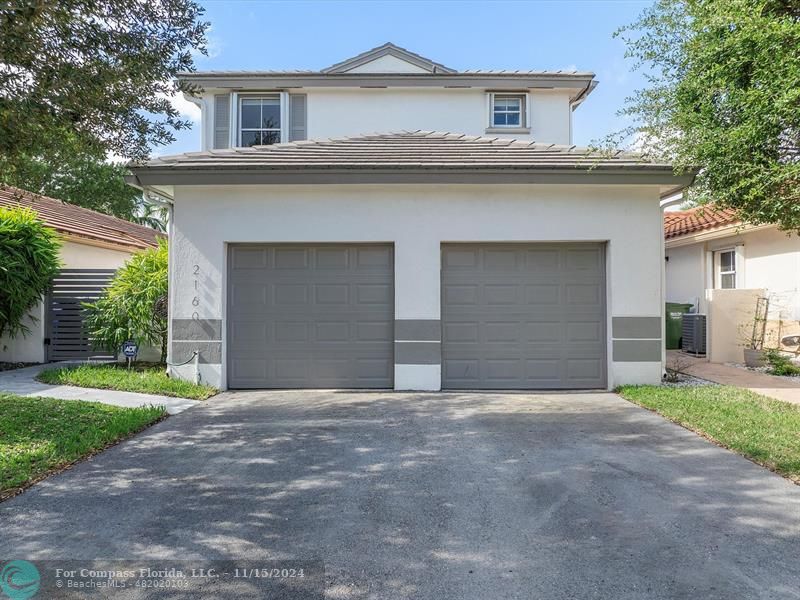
(390, 222)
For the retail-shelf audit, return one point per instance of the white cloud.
(187, 110)
(213, 45)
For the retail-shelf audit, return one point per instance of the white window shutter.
(297, 117)
(222, 120)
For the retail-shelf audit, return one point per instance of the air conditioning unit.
(693, 334)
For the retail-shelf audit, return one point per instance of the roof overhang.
(106, 245)
(708, 235)
(583, 83)
(144, 176)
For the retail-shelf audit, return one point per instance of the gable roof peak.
(388, 49)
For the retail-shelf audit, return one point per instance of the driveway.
(429, 496)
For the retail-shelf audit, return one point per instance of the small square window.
(259, 121)
(508, 111)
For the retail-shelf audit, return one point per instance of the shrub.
(28, 262)
(128, 309)
(780, 364)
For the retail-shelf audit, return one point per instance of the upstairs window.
(259, 121)
(726, 269)
(508, 110)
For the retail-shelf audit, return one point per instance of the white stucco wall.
(83, 256)
(417, 219)
(30, 348)
(685, 275)
(771, 262)
(339, 112)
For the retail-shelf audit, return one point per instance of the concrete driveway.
(429, 496)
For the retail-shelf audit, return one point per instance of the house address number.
(196, 299)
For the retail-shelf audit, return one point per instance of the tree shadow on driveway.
(431, 496)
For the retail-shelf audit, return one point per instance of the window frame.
(523, 110)
(281, 129)
(718, 268)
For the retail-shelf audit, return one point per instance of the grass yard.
(146, 379)
(764, 430)
(40, 436)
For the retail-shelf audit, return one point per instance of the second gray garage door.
(523, 316)
(310, 316)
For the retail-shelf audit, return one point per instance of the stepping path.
(780, 388)
(23, 383)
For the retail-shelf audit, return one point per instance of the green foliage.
(93, 78)
(762, 429)
(83, 180)
(146, 379)
(127, 308)
(41, 435)
(779, 363)
(723, 95)
(28, 262)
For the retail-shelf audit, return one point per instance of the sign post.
(130, 349)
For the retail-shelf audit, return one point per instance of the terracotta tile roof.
(81, 222)
(407, 150)
(700, 218)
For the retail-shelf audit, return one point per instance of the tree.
(93, 77)
(29, 259)
(85, 181)
(724, 96)
(129, 308)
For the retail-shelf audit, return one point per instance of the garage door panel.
(575, 293)
(584, 331)
(249, 258)
(523, 316)
(291, 258)
(311, 316)
(332, 293)
(590, 259)
(374, 258)
(587, 369)
(332, 258)
(542, 261)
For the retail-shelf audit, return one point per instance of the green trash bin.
(674, 323)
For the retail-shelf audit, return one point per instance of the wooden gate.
(66, 336)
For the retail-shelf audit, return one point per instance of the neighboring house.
(309, 251)
(94, 245)
(709, 251)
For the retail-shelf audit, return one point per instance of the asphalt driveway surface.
(426, 496)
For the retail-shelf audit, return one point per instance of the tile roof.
(700, 218)
(81, 222)
(407, 150)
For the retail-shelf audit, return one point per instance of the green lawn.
(39, 436)
(147, 379)
(764, 430)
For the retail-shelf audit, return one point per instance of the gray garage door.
(523, 316)
(306, 316)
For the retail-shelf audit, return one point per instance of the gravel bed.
(684, 380)
(764, 370)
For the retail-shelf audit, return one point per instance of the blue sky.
(252, 34)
